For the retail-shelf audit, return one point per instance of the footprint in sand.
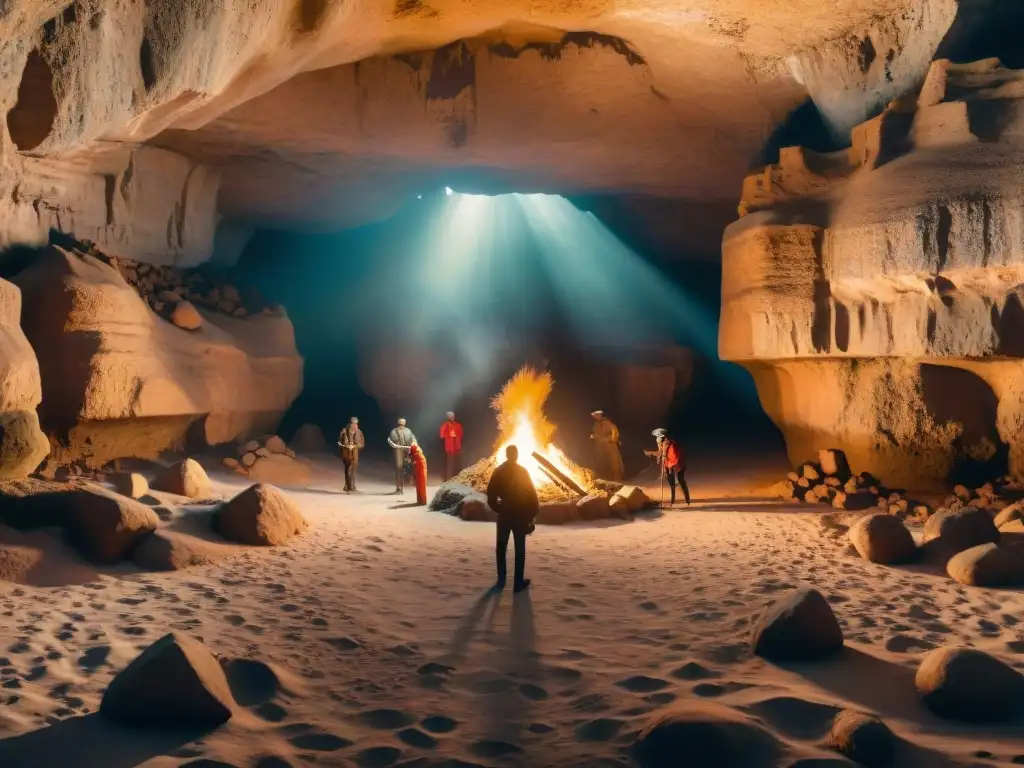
(694, 671)
(601, 729)
(416, 738)
(271, 712)
(94, 657)
(205, 762)
(708, 690)
(906, 644)
(234, 619)
(439, 724)
(642, 684)
(492, 748)
(318, 622)
(319, 742)
(378, 757)
(532, 692)
(1015, 646)
(662, 698)
(386, 719)
(272, 761)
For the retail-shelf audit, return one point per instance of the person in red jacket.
(673, 464)
(419, 472)
(451, 433)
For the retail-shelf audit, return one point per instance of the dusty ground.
(401, 658)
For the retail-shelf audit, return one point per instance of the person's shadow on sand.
(464, 632)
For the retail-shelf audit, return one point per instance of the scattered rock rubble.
(175, 293)
(602, 502)
(267, 459)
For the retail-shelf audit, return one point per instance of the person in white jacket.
(400, 440)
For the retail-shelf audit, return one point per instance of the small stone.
(863, 738)
(822, 492)
(833, 482)
(852, 485)
(810, 472)
(289, 453)
(275, 444)
(250, 447)
(248, 459)
(240, 312)
(833, 462)
(227, 307)
(963, 493)
(793, 477)
(169, 297)
(231, 294)
(186, 316)
(803, 482)
(185, 478)
(230, 463)
(810, 497)
(262, 453)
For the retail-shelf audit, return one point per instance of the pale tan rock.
(261, 515)
(184, 478)
(186, 316)
(131, 484)
(230, 463)
(131, 384)
(275, 444)
(248, 459)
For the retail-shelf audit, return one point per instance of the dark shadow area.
(384, 335)
(984, 29)
(954, 395)
(804, 127)
(91, 742)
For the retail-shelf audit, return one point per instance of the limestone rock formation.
(121, 381)
(175, 681)
(875, 295)
(22, 444)
(969, 685)
(798, 626)
(261, 515)
(244, 100)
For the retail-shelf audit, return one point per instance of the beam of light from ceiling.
(605, 287)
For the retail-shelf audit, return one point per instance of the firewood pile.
(478, 475)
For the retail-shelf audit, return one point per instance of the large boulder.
(261, 515)
(105, 526)
(449, 494)
(882, 538)
(174, 682)
(988, 565)
(474, 509)
(184, 478)
(798, 626)
(700, 734)
(119, 381)
(634, 497)
(953, 531)
(22, 444)
(969, 685)
(863, 738)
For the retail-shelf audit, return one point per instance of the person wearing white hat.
(673, 464)
(352, 441)
(451, 434)
(401, 440)
(607, 456)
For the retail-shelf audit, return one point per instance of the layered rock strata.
(120, 380)
(877, 294)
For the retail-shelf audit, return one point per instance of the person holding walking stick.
(672, 461)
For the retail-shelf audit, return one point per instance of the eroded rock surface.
(119, 380)
(875, 294)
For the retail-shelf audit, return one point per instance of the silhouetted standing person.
(673, 464)
(401, 440)
(607, 456)
(352, 442)
(451, 433)
(510, 493)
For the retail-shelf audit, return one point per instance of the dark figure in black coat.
(510, 493)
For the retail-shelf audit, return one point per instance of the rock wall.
(119, 380)
(22, 444)
(877, 294)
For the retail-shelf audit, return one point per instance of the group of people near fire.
(510, 490)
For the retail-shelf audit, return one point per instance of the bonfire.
(521, 422)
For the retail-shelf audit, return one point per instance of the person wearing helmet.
(401, 440)
(351, 441)
(673, 463)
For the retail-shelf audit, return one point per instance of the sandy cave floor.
(399, 657)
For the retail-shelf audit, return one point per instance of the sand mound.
(261, 515)
(705, 735)
(797, 626)
(173, 682)
(165, 550)
(255, 682)
(184, 478)
(968, 684)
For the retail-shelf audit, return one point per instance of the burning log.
(555, 481)
(553, 471)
